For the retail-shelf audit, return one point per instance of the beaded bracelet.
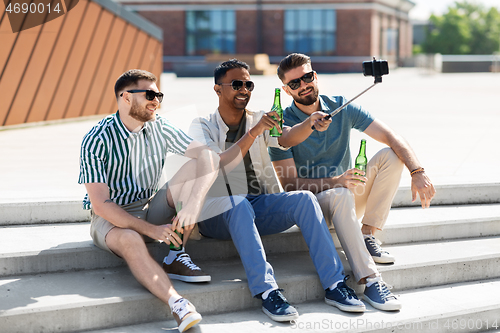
(418, 170)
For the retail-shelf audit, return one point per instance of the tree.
(467, 28)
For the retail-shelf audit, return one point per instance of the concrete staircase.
(447, 273)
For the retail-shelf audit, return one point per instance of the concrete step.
(71, 211)
(456, 194)
(462, 307)
(28, 213)
(414, 224)
(61, 247)
(96, 299)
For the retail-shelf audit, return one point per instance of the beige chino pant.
(342, 208)
(155, 210)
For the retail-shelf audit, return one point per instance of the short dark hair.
(290, 62)
(221, 70)
(131, 77)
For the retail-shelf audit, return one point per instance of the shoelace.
(384, 290)
(275, 296)
(180, 307)
(376, 247)
(185, 259)
(346, 290)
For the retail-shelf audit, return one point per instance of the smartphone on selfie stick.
(375, 68)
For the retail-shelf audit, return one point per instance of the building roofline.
(132, 18)
(384, 6)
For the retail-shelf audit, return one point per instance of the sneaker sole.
(281, 318)
(345, 308)
(204, 278)
(189, 322)
(383, 307)
(380, 260)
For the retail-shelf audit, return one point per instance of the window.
(312, 32)
(392, 41)
(211, 31)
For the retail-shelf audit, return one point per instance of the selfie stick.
(378, 79)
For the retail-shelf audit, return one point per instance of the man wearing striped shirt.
(121, 161)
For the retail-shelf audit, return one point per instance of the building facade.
(337, 34)
(67, 67)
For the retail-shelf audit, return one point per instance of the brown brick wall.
(174, 30)
(337, 67)
(405, 39)
(273, 43)
(359, 33)
(246, 31)
(353, 32)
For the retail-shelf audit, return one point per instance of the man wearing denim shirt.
(322, 165)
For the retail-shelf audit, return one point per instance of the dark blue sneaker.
(380, 296)
(277, 307)
(379, 255)
(344, 298)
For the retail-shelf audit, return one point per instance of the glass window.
(210, 31)
(310, 31)
(392, 40)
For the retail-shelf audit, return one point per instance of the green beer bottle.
(178, 208)
(279, 111)
(361, 159)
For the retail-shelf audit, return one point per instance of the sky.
(424, 8)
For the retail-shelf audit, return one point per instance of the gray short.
(155, 210)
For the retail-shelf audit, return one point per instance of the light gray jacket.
(212, 131)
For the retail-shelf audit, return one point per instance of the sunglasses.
(150, 94)
(307, 78)
(238, 84)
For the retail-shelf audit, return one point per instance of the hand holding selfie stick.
(375, 68)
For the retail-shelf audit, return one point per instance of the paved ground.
(450, 120)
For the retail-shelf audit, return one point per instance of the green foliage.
(467, 28)
(417, 49)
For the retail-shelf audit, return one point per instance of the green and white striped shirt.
(129, 163)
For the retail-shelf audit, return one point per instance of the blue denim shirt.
(324, 154)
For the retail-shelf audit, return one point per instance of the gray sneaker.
(379, 255)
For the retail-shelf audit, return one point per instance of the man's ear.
(126, 97)
(217, 89)
(285, 88)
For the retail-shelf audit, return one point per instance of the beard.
(140, 113)
(309, 99)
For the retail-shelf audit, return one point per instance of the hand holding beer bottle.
(361, 160)
(178, 208)
(277, 108)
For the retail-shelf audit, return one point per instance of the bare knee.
(126, 243)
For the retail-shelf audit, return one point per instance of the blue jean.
(244, 219)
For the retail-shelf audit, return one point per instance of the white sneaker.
(185, 314)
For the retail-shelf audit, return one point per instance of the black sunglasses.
(307, 78)
(238, 84)
(150, 94)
